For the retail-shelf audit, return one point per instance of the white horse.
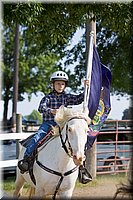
(60, 158)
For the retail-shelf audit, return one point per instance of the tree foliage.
(128, 114)
(46, 33)
(35, 115)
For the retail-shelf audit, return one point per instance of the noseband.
(68, 150)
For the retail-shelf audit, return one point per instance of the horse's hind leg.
(18, 185)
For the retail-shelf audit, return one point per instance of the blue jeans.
(40, 134)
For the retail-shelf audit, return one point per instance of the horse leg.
(39, 193)
(18, 185)
(32, 192)
(66, 194)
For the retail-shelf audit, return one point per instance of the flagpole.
(91, 32)
(89, 69)
(89, 47)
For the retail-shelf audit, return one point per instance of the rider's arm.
(77, 99)
(44, 106)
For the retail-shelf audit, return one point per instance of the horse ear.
(61, 108)
(59, 115)
(86, 111)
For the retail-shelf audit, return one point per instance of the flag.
(99, 102)
(95, 85)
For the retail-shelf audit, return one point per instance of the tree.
(35, 115)
(33, 68)
(128, 113)
(46, 31)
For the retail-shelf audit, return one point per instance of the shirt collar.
(57, 94)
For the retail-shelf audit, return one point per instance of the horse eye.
(70, 129)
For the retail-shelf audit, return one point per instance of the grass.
(9, 184)
(102, 179)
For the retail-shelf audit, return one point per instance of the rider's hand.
(86, 83)
(54, 111)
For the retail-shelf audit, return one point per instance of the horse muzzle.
(78, 160)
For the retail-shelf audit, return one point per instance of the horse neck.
(56, 153)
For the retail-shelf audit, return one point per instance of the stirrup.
(23, 165)
(84, 176)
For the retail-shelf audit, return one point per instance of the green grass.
(8, 185)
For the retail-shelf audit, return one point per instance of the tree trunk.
(15, 75)
(6, 101)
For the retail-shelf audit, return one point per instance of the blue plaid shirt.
(53, 101)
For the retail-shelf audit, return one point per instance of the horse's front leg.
(66, 194)
(40, 193)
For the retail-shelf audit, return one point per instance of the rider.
(48, 107)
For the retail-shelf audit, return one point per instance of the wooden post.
(91, 160)
(91, 154)
(18, 130)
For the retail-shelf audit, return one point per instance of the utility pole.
(15, 75)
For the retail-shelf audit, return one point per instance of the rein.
(70, 155)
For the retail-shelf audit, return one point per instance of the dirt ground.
(104, 188)
(100, 191)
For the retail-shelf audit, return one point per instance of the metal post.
(18, 130)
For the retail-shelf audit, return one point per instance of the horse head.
(74, 124)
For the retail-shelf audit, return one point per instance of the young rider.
(48, 107)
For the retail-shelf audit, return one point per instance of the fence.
(114, 147)
(12, 136)
(110, 157)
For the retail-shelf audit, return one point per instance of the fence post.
(18, 130)
(91, 160)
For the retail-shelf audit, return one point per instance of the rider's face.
(59, 86)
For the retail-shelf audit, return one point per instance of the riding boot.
(84, 175)
(24, 164)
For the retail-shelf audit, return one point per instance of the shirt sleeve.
(75, 99)
(44, 106)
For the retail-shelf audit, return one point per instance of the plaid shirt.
(53, 101)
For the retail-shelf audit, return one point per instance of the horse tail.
(31, 192)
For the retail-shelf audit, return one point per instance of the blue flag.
(96, 84)
(99, 101)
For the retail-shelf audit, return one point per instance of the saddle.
(46, 138)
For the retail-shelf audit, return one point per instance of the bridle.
(68, 151)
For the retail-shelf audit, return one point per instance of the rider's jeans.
(40, 134)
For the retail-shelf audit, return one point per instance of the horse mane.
(65, 114)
